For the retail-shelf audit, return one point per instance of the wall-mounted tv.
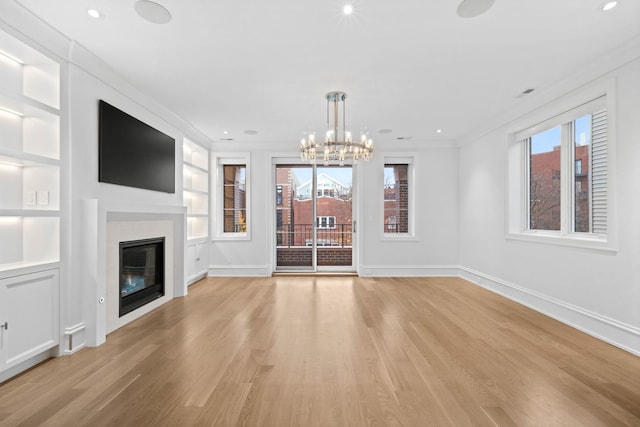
(134, 154)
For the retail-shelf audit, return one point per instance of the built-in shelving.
(29, 156)
(196, 198)
(196, 189)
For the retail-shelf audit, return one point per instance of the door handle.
(5, 326)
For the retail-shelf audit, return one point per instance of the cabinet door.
(202, 258)
(29, 316)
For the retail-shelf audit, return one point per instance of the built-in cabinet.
(196, 199)
(28, 316)
(29, 201)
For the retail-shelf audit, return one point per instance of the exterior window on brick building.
(396, 198)
(326, 222)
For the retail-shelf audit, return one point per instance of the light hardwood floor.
(334, 351)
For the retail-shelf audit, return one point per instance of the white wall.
(595, 291)
(433, 251)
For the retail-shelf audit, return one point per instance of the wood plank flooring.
(334, 351)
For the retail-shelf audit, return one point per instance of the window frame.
(410, 161)
(562, 112)
(229, 159)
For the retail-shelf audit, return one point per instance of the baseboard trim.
(196, 277)
(614, 332)
(29, 363)
(239, 271)
(409, 271)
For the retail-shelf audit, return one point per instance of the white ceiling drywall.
(412, 66)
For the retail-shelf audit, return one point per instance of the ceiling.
(411, 66)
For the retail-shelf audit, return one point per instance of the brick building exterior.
(544, 190)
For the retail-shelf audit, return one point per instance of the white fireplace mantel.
(96, 214)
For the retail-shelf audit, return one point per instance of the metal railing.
(301, 235)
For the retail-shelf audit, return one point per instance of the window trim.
(556, 113)
(220, 160)
(408, 159)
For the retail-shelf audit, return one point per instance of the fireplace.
(141, 273)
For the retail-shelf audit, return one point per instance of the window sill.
(231, 237)
(590, 243)
(398, 238)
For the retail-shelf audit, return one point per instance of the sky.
(545, 141)
(342, 174)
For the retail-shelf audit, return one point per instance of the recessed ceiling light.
(226, 132)
(95, 13)
(152, 12)
(347, 9)
(438, 130)
(250, 132)
(383, 131)
(608, 5)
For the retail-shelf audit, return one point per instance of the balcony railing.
(301, 235)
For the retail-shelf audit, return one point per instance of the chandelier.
(338, 144)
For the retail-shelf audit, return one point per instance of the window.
(235, 199)
(563, 173)
(326, 222)
(391, 223)
(396, 195)
(544, 180)
(588, 199)
(232, 201)
(278, 195)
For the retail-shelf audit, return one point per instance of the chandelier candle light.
(338, 144)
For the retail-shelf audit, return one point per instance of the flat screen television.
(132, 153)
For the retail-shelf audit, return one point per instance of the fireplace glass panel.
(141, 273)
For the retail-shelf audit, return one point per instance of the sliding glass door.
(314, 218)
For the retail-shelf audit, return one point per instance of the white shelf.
(194, 168)
(195, 155)
(195, 240)
(194, 191)
(197, 227)
(20, 158)
(35, 239)
(39, 213)
(34, 186)
(29, 73)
